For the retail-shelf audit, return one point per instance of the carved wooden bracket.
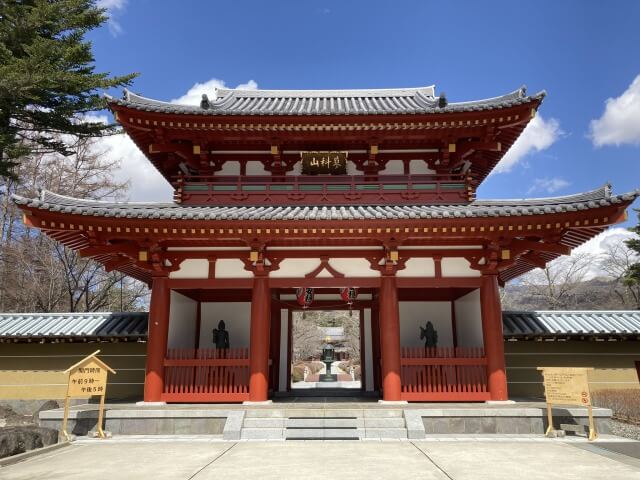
(324, 265)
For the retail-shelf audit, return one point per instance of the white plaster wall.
(182, 321)
(353, 267)
(457, 267)
(414, 315)
(418, 267)
(230, 168)
(192, 268)
(295, 267)
(237, 319)
(296, 169)
(469, 320)
(352, 169)
(368, 351)
(419, 167)
(284, 350)
(255, 167)
(231, 268)
(393, 167)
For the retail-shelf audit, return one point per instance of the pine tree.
(632, 276)
(47, 77)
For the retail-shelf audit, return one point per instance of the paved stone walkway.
(210, 458)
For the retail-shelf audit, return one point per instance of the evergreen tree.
(47, 77)
(632, 276)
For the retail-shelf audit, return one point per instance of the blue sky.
(581, 52)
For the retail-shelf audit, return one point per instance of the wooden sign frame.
(585, 397)
(85, 382)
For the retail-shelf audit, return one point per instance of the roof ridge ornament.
(442, 100)
(204, 103)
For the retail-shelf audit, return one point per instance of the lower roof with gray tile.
(74, 326)
(132, 326)
(571, 323)
(601, 197)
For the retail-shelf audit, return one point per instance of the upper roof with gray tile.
(325, 102)
(518, 324)
(600, 197)
(92, 325)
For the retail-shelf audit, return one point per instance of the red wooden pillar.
(157, 339)
(375, 341)
(493, 337)
(390, 339)
(275, 344)
(259, 340)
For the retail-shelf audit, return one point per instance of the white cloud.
(600, 243)
(194, 94)
(539, 135)
(113, 8)
(146, 183)
(548, 185)
(594, 249)
(620, 122)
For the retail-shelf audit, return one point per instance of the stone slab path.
(214, 459)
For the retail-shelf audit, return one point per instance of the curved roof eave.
(420, 100)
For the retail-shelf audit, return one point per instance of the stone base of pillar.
(266, 402)
(500, 402)
(150, 404)
(393, 402)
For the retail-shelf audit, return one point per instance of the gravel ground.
(626, 430)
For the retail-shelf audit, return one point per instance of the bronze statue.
(221, 336)
(430, 335)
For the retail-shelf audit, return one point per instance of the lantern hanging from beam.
(304, 295)
(349, 295)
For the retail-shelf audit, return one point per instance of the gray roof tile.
(571, 323)
(325, 102)
(133, 325)
(480, 208)
(130, 325)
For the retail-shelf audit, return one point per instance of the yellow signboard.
(87, 378)
(567, 386)
(328, 163)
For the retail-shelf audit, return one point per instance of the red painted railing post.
(493, 338)
(259, 340)
(157, 339)
(390, 339)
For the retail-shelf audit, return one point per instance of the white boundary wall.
(469, 320)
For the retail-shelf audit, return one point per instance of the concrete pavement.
(208, 460)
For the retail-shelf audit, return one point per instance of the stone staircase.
(323, 424)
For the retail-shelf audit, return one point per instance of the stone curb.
(138, 413)
(233, 425)
(5, 462)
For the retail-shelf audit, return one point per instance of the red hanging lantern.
(304, 296)
(349, 295)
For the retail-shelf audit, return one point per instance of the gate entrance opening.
(326, 350)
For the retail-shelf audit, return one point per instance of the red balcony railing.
(206, 375)
(443, 374)
(322, 189)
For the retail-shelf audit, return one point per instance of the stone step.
(385, 433)
(322, 422)
(264, 423)
(262, 434)
(390, 422)
(323, 433)
(322, 412)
